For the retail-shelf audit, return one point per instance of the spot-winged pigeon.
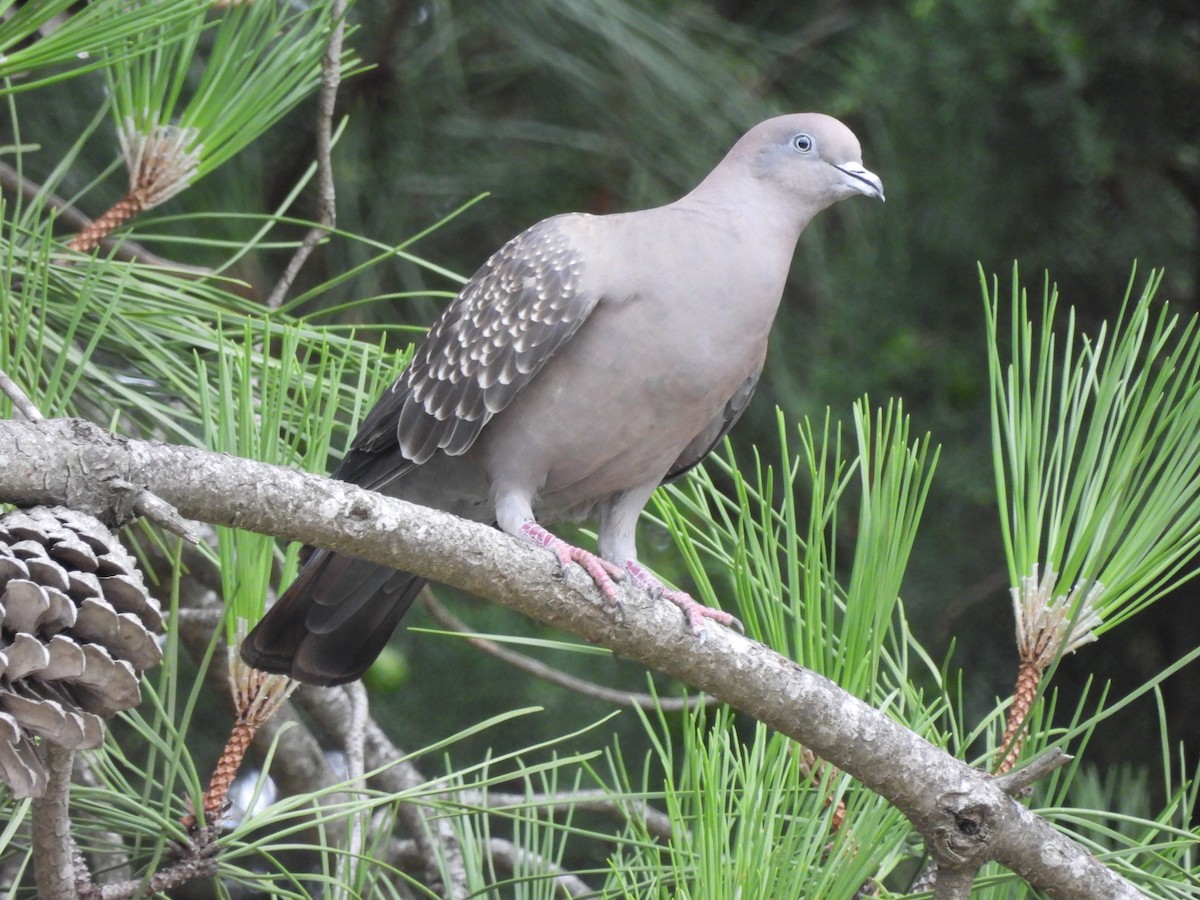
(590, 360)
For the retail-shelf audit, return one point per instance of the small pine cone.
(77, 628)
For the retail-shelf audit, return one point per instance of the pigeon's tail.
(333, 621)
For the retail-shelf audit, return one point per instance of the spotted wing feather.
(521, 306)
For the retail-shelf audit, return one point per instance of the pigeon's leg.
(693, 610)
(514, 515)
(618, 524)
(604, 573)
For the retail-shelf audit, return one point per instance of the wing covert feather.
(521, 306)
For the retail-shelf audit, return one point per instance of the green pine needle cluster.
(1097, 448)
(53, 40)
(258, 61)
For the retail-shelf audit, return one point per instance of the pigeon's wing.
(508, 320)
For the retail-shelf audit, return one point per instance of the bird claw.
(603, 573)
(694, 611)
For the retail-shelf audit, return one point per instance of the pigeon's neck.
(753, 206)
(737, 231)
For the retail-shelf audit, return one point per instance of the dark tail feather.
(333, 621)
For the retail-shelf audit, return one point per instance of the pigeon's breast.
(648, 371)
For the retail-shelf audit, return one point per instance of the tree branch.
(405, 854)
(656, 823)
(964, 815)
(954, 884)
(348, 863)
(514, 857)
(53, 848)
(551, 675)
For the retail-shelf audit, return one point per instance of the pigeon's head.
(811, 156)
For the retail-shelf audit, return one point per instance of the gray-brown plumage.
(591, 359)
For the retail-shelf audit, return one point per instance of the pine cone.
(77, 628)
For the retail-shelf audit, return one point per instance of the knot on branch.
(96, 484)
(963, 835)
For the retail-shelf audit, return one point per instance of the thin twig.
(299, 765)
(1013, 783)
(331, 77)
(199, 861)
(549, 674)
(406, 855)
(353, 744)
(1025, 694)
(657, 824)
(14, 182)
(515, 858)
(257, 696)
(20, 399)
(162, 513)
(92, 234)
(53, 849)
(1049, 624)
(141, 502)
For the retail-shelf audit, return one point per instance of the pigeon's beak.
(862, 180)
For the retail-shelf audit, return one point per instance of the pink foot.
(604, 573)
(693, 611)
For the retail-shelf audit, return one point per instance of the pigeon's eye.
(802, 142)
